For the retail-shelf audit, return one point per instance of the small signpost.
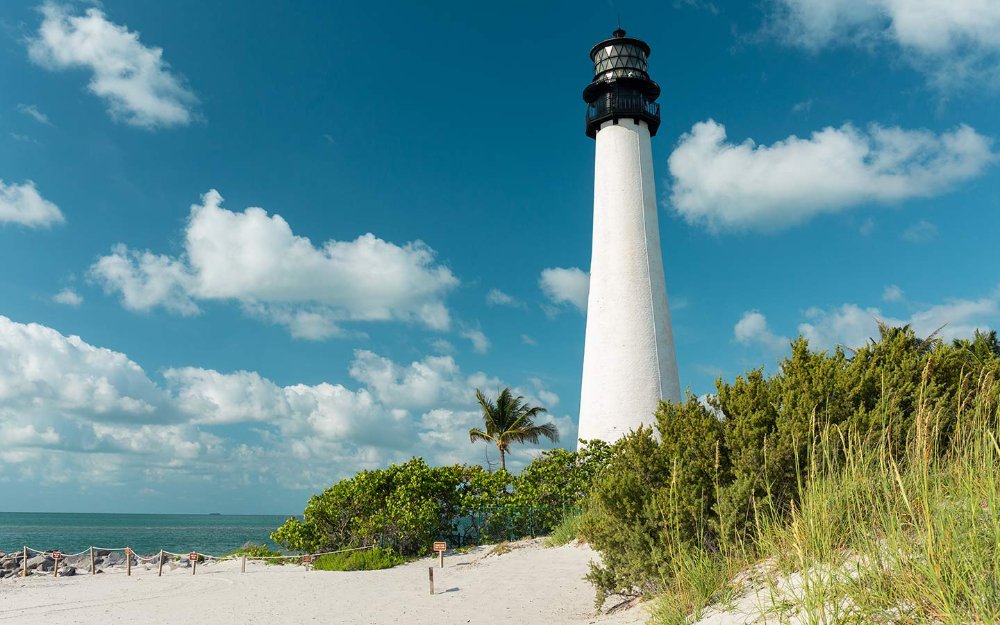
(440, 547)
(193, 557)
(128, 561)
(57, 556)
(307, 560)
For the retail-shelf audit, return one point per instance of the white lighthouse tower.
(629, 363)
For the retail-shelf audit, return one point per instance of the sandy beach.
(530, 584)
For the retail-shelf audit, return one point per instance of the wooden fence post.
(24, 563)
(159, 573)
(430, 574)
(244, 567)
(128, 561)
(93, 567)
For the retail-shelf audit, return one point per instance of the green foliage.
(558, 481)
(254, 550)
(405, 506)
(772, 423)
(509, 419)
(566, 532)
(723, 482)
(363, 560)
(653, 499)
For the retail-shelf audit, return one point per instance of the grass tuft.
(365, 560)
(567, 531)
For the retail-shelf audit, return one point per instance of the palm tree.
(508, 420)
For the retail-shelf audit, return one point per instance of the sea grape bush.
(407, 506)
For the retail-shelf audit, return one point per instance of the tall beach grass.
(886, 531)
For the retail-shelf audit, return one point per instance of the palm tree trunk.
(503, 461)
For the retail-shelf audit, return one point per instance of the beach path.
(528, 585)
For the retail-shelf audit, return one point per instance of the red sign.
(306, 559)
(440, 546)
(56, 555)
(128, 551)
(193, 556)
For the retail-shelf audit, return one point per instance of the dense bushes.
(654, 498)
(409, 505)
(704, 481)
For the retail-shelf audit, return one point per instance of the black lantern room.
(621, 87)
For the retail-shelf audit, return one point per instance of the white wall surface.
(629, 362)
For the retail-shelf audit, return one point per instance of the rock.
(41, 562)
(69, 571)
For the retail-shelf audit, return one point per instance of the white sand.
(529, 585)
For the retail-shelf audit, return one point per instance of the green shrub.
(566, 532)
(654, 499)
(404, 506)
(254, 550)
(362, 560)
(719, 486)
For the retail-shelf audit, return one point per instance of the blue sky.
(250, 250)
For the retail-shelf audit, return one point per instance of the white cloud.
(32, 111)
(848, 325)
(68, 297)
(728, 186)
(920, 232)
(954, 42)
(851, 325)
(496, 297)
(22, 204)
(73, 412)
(133, 79)
(566, 286)
(255, 259)
(752, 329)
(892, 293)
(480, 342)
(528, 340)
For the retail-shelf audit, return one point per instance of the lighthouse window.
(620, 59)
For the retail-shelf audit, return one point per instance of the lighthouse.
(629, 363)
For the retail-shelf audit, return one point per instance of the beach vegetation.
(254, 550)
(407, 506)
(510, 419)
(849, 486)
(362, 560)
(565, 532)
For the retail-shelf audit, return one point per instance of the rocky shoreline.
(11, 564)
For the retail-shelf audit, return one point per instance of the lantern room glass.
(620, 60)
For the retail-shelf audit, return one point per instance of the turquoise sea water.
(146, 533)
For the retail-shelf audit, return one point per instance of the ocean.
(145, 533)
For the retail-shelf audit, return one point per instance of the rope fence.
(193, 557)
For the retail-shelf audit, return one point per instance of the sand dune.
(529, 585)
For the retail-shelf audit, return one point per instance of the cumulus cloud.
(255, 259)
(851, 325)
(23, 204)
(752, 329)
(566, 286)
(954, 42)
(70, 411)
(68, 297)
(133, 79)
(729, 186)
